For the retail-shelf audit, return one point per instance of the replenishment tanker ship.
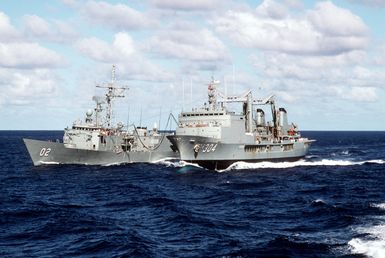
(215, 137)
(98, 141)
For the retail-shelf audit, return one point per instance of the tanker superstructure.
(215, 137)
(98, 141)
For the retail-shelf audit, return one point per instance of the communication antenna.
(191, 92)
(182, 94)
(128, 116)
(225, 82)
(160, 116)
(233, 78)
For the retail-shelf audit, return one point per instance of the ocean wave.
(372, 245)
(300, 163)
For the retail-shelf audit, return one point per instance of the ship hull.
(46, 152)
(211, 153)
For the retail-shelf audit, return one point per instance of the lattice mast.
(112, 92)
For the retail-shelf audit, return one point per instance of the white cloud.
(121, 49)
(272, 9)
(302, 35)
(189, 44)
(279, 65)
(118, 16)
(26, 74)
(331, 20)
(29, 56)
(57, 31)
(18, 52)
(7, 31)
(361, 94)
(345, 76)
(123, 52)
(188, 5)
(27, 86)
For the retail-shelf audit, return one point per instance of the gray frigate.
(96, 140)
(215, 137)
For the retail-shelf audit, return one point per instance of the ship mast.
(212, 94)
(111, 94)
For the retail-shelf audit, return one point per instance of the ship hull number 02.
(44, 152)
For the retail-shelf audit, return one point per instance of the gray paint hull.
(45, 152)
(214, 154)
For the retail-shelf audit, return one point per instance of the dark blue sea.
(331, 204)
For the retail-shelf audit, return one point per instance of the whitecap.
(380, 206)
(318, 202)
(372, 245)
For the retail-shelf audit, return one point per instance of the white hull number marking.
(209, 147)
(44, 152)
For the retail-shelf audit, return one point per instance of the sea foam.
(373, 245)
(300, 163)
(266, 164)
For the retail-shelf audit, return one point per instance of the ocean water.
(331, 204)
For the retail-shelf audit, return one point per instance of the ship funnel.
(283, 120)
(260, 117)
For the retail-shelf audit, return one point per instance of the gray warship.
(98, 141)
(215, 137)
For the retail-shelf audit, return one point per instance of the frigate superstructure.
(97, 140)
(215, 137)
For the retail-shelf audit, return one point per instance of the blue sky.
(323, 60)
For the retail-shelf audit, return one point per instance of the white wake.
(175, 163)
(265, 164)
(300, 163)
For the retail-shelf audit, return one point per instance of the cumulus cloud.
(187, 5)
(7, 31)
(122, 48)
(125, 53)
(28, 86)
(343, 76)
(26, 73)
(118, 16)
(315, 32)
(57, 31)
(29, 56)
(189, 44)
(18, 52)
(331, 20)
(272, 9)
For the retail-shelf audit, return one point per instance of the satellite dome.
(89, 112)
